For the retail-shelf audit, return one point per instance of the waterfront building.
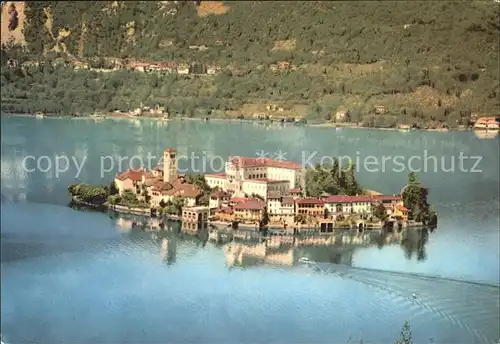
(349, 204)
(281, 209)
(310, 207)
(249, 211)
(196, 216)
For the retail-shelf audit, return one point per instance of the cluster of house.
(343, 115)
(284, 210)
(492, 122)
(282, 66)
(114, 64)
(249, 188)
(160, 184)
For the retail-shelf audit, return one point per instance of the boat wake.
(472, 306)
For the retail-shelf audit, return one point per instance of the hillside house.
(487, 123)
(79, 64)
(140, 66)
(211, 70)
(11, 63)
(342, 115)
(183, 69)
(379, 109)
(283, 65)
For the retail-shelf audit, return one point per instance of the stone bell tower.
(169, 165)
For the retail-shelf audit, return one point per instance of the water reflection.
(249, 249)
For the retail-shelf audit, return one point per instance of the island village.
(252, 193)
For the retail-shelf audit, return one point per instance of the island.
(260, 194)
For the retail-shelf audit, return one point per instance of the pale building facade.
(257, 176)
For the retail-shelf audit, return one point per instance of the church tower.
(169, 165)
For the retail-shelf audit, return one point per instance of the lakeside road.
(237, 120)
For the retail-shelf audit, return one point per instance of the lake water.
(80, 277)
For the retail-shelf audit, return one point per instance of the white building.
(349, 204)
(262, 187)
(257, 176)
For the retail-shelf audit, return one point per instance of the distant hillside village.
(250, 191)
(115, 64)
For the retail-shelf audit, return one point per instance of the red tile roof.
(400, 207)
(347, 199)
(250, 205)
(170, 150)
(183, 190)
(488, 119)
(387, 197)
(296, 191)
(309, 200)
(216, 175)
(135, 175)
(224, 210)
(238, 199)
(245, 162)
(219, 194)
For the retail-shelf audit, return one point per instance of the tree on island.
(264, 220)
(415, 199)
(94, 194)
(174, 207)
(198, 180)
(332, 179)
(380, 212)
(113, 190)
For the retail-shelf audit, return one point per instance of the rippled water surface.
(77, 277)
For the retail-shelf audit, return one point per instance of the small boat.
(304, 260)
(38, 114)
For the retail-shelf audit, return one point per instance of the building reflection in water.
(337, 249)
(278, 250)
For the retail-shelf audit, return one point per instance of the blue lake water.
(77, 277)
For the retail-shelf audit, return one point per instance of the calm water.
(77, 277)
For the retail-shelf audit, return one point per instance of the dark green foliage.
(415, 199)
(380, 212)
(413, 42)
(332, 179)
(198, 180)
(95, 194)
(174, 207)
(129, 199)
(113, 190)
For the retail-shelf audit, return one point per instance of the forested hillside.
(425, 61)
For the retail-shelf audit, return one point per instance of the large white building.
(258, 176)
